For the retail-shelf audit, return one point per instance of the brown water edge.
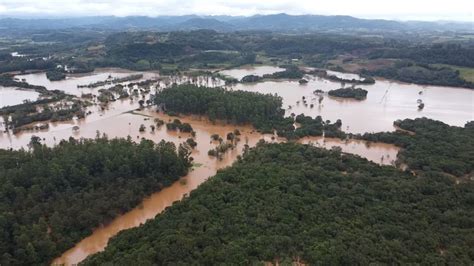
(205, 167)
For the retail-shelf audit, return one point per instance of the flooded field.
(69, 85)
(343, 75)
(239, 73)
(11, 96)
(206, 166)
(387, 101)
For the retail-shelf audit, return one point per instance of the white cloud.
(394, 9)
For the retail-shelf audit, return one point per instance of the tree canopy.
(53, 197)
(292, 202)
(429, 145)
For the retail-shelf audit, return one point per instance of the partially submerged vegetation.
(291, 72)
(176, 124)
(292, 202)
(9, 81)
(237, 107)
(62, 112)
(278, 200)
(55, 75)
(351, 92)
(111, 81)
(264, 111)
(432, 146)
(365, 79)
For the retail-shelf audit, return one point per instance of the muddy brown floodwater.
(128, 124)
(69, 85)
(12, 96)
(386, 102)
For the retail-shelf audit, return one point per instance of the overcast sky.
(461, 10)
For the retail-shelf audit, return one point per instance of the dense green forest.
(55, 75)
(292, 202)
(353, 93)
(237, 107)
(432, 146)
(53, 197)
(263, 111)
(407, 71)
(176, 51)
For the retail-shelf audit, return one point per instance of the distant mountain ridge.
(276, 22)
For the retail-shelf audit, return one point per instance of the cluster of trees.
(309, 126)
(8, 81)
(291, 202)
(23, 64)
(21, 117)
(55, 75)
(30, 107)
(112, 81)
(53, 197)
(351, 92)
(176, 51)
(408, 71)
(434, 146)
(238, 107)
(251, 79)
(290, 72)
(263, 111)
(177, 124)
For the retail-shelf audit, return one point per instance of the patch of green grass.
(467, 73)
(197, 165)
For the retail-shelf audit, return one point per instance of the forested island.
(296, 203)
(53, 197)
(263, 111)
(55, 75)
(353, 93)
